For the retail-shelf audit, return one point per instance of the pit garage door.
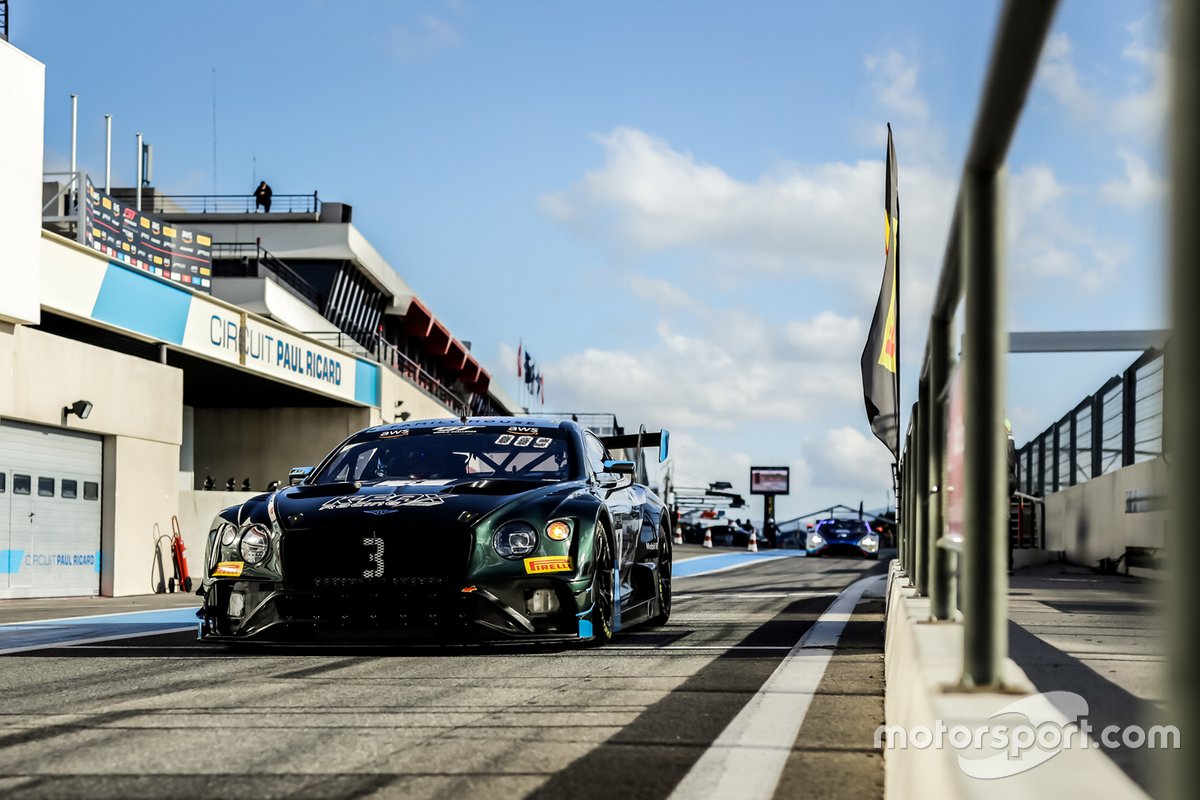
(49, 512)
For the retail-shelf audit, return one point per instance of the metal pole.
(139, 171)
(942, 587)
(76, 188)
(1182, 385)
(922, 411)
(74, 128)
(985, 598)
(925, 497)
(108, 153)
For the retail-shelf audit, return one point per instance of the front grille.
(367, 558)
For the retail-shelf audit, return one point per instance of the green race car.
(482, 528)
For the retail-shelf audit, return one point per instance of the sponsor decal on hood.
(381, 501)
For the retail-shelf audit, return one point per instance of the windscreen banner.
(171, 252)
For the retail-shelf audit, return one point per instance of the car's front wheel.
(602, 588)
(663, 583)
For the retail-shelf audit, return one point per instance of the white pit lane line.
(747, 759)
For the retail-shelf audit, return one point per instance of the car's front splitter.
(533, 609)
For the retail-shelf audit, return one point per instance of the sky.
(674, 206)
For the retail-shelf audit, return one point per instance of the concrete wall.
(136, 408)
(1088, 522)
(417, 403)
(262, 444)
(22, 100)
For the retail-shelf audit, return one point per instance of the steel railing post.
(942, 587)
(921, 485)
(1181, 387)
(985, 597)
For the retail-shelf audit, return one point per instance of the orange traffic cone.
(678, 534)
(753, 546)
(708, 537)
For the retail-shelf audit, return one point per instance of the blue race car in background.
(836, 536)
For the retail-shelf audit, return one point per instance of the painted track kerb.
(747, 759)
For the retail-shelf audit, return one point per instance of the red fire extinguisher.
(179, 558)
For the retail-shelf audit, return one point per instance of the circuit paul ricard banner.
(171, 252)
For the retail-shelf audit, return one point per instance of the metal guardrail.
(254, 253)
(1120, 425)
(973, 272)
(167, 204)
(384, 352)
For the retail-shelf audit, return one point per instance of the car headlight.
(227, 532)
(558, 530)
(815, 540)
(869, 543)
(256, 541)
(515, 540)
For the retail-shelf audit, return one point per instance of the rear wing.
(640, 441)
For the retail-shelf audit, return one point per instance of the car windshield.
(844, 526)
(450, 454)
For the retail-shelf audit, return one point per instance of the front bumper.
(842, 549)
(398, 610)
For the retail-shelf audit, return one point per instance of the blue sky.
(675, 206)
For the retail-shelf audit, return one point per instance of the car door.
(621, 506)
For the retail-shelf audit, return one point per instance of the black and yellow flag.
(880, 358)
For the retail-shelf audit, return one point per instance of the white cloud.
(1139, 185)
(1059, 76)
(1135, 112)
(1140, 114)
(1048, 242)
(896, 84)
(846, 458)
(428, 35)
(822, 221)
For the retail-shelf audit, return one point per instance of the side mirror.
(620, 467)
(663, 448)
(297, 475)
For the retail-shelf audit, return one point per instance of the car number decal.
(375, 557)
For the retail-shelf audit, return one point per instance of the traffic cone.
(678, 534)
(753, 546)
(708, 537)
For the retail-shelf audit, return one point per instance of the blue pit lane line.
(18, 637)
(37, 634)
(723, 562)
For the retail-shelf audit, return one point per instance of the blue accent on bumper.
(137, 302)
(585, 629)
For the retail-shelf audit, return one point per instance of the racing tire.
(663, 583)
(603, 589)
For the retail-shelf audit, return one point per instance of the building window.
(70, 489)
(45, 487)
(91, 490)
(3, 482)
(21, 484)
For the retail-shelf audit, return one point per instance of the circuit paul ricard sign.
(171, 252)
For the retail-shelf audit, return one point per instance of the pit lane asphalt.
(166, 716)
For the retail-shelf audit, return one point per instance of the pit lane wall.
(1089, 521)
(923, 668)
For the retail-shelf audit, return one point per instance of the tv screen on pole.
(770, 480)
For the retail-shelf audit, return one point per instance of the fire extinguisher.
(179, 558)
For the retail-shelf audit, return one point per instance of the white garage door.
(49, 512)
